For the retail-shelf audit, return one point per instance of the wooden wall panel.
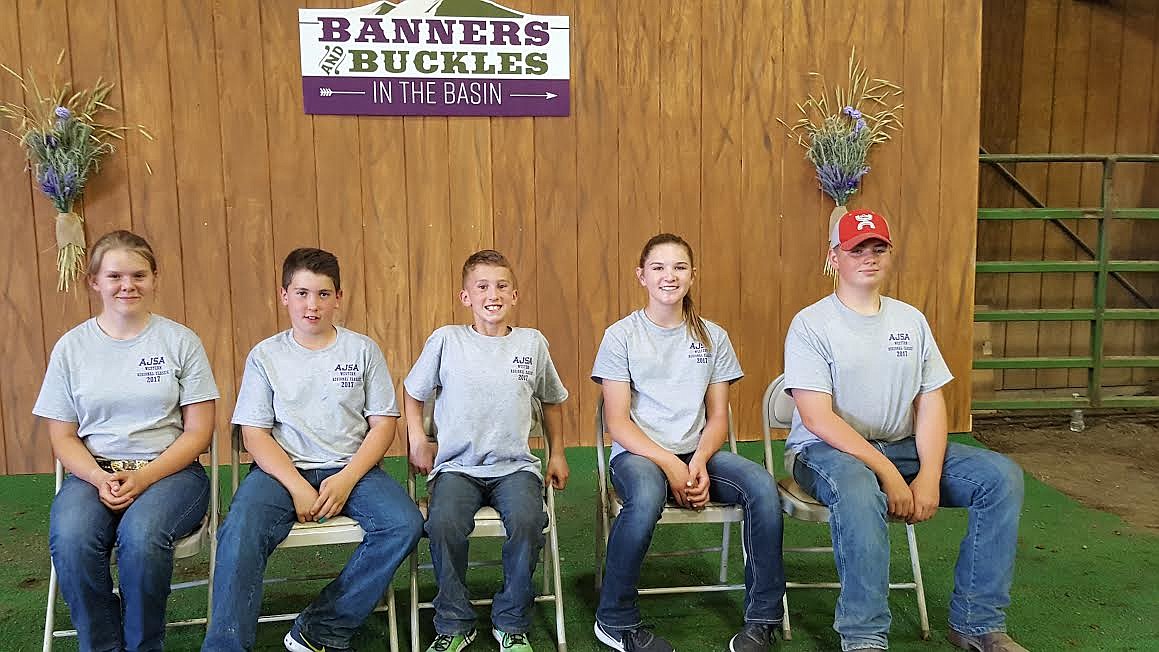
(199, 193)
(595, 107)
(680, 122)
(95, 54)
(719, 273)
(293, 181)
(639, 178)
(763, 147)
(25, 446)
(673, 127)
(962, 44)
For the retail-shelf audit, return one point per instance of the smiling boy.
(484, 378)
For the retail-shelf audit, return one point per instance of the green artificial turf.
(1084, 579)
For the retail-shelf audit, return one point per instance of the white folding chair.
(777, 408)
(337, 530)
(608, 506)
(488, 524)
(205, 535)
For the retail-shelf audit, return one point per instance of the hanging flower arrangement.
(64, 144)
(837, 132)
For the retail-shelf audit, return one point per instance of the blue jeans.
(987, 483)
(644, 490)
(455, 497)
(82, 533)
(260, 517)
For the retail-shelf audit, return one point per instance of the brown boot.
(988, 642)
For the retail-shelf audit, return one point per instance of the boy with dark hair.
(486, 376)
(317, 411)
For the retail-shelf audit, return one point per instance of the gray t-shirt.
(873, 366)
(315, 402)
(126, 395)
(670, 373)
(483, 408)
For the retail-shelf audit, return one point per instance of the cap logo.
(865, 221)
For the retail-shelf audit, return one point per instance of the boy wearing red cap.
(869, 441)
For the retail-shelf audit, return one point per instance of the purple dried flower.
(50, 141)
(62, 113)
(49, 182)
(859, 126)
(852, 112)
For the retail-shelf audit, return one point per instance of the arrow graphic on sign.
(547, 96)
(327, 92)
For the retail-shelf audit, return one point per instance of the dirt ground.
(1113, 465)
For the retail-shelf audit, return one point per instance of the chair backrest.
(777, 406)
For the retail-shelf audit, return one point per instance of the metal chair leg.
(50, 610)
(919, 588)
(414, 601)
(786, 628)
(724, 541)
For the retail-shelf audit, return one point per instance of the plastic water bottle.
(1076, 418)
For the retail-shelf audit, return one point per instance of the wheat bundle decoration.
(64, 144)
(838, 132)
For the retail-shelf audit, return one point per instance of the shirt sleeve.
(380, 397)
(195, 377)
(935, 372)
(56, 400)
(806, 359)
(255, 397)
(423, 379)
(726, 366)
(548, 386)
(612, 358)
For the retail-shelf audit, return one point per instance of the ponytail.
(696, 328)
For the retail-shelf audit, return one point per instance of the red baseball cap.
(856, 227)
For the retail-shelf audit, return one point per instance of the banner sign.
(434, 57)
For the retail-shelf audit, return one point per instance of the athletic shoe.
(632, 640)
(452, 642)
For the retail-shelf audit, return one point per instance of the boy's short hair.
(488, 257)
(318, 261)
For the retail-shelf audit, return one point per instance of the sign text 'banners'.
(434, 57)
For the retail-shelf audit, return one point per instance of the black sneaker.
(755, 637)
(632, 640)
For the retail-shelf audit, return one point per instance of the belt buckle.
(115, 466)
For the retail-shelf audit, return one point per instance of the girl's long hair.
(692, 319)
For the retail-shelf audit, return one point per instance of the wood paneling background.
(1068, 76)
(673, 127)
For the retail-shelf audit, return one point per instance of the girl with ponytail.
(664, 373)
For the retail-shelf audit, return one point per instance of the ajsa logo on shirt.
(152, 368)
(347, 375)
(699, 353)
(900, 343)
(522, 366)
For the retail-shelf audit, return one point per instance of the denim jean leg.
(173, 507)
(734, 479)
(860, 535)
(82, 533)
(643, 488)
(990, 485)
(455, 497)
(518, 498)
(393, 525)
(260, 516)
